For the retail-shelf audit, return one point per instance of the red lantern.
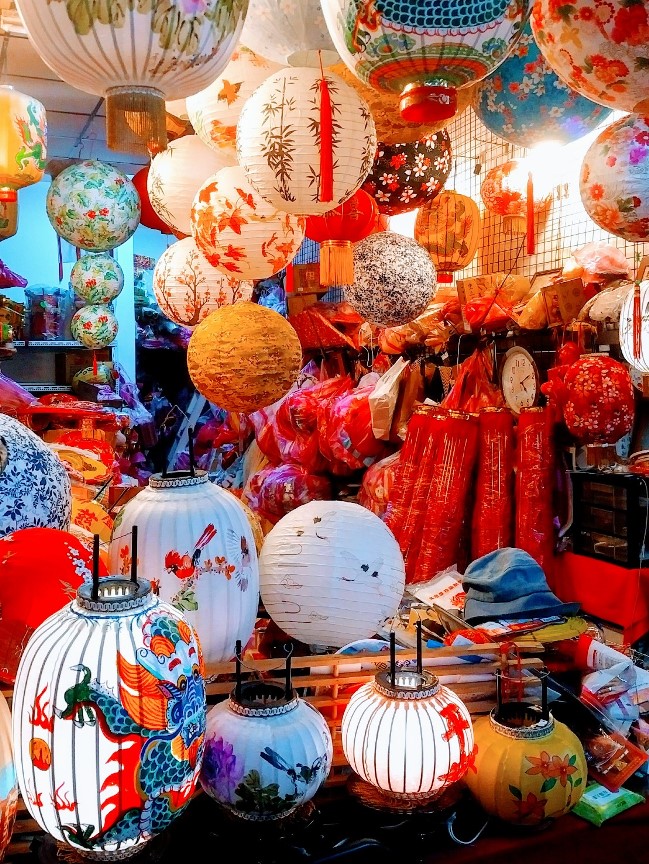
(336, 231)
(599, 400)
(149, 217)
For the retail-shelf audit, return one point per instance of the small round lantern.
(395, 279)
(289, 33)
(406, 176)
(599, 400)
(306, 145)
(23, 147)
(330, 572)
(634, 327)
(504, 191)
(239, 232)
(97, 278)
(449, 229)
(94, 326)
(8, 779)
(93, 206)
(148, 216)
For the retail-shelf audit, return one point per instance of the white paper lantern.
(177, 174)
(330, 572)
(638, 360)
(278, 140)
(97, 278)
(290, 32)
(95, 326)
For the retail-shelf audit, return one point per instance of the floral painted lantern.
(244, 357)
(289, 33)
(509, 191)
(196, 546)
(306, 141)
(596, 48)
(23, 145)
(188, 288)
(214, 112)
(405, 176)
(423, 55)
(8, 779)
(634, 327)
(239, 232)
(109, 718)
(95, 326)
(330, 572)
(93, 206)
(34, 485)
(135, 56)
(148, 216)
(526, 103)
(449, 229)
(395, 279)
(8, 219)
(614, 180)
(598, 400)
(97, 278)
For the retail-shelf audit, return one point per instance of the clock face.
(519, 379)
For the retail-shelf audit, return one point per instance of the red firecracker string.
(637, 322)
(530, 214)
(326, 141)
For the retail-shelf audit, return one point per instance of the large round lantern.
(23, 145)
(596, 49)
(289, 33)
(239, 232)
(135, 56)
(306, 152)
(93, 206)
(8, 779)
(148, 216)
(267, 752)
(614, 179)
(394, 279)
(95, 326)
(244, 357)
(188, 288)
(504, 191)
(34, 485)
(97, 278)
(634, 327)
(109, 719)
(599, 400)
(449, 229)
(330, 572)
(424, 55)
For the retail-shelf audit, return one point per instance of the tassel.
(326, 142)
(94, 364)
(530, 215)
(637, 322)
(336, 262)
(288, 278)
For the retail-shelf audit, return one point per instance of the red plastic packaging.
(277, 489)
(349, 436)
(474, 387)
(378, 483)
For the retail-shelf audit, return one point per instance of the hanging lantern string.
(530, 215)
(326, 140)
(637, 322)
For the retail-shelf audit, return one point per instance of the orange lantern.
(508, 190)
(448, 227)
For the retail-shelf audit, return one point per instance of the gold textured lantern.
(448, 227)
(23, 142)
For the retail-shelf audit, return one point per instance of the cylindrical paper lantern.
(239, 232)
(148, 216)
(330, 572)
(599, 404)
(634, 327)
(244, 357)
(94, 326)
(492, 524)
(504, 192)
(8, 219)
(23, 145)
(109, 719)
(449, 229)
(97, 278)
(8, 779)
(282, 145)
(394, 279)
(534, 486)
(289, 33)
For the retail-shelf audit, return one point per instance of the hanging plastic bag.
(383, 398)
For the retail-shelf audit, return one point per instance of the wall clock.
(519, 379)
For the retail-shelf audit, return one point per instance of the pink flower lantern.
(598, 400)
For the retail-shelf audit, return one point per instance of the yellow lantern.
(23, 142)
(8, 219)
(448, 227)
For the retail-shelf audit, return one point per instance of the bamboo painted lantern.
(449, 229)
(23, 143)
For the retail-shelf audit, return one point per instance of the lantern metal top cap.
(115, 594)
(262, 699)
(521, 721)
(178, 479)
(406, 684)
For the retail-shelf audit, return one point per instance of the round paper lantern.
(176, 175)
(267, 752)
(93, 206)
(289, 33)
(8, 779)
(330, 572)
(196, 546)
(634, 327)
(240, 233)
(34, 486)
(405, 176)
(109, 719)
(135, 56)
(94, 326)
(188, 288)
(97, 278)
(424, 55)
(596, 50)
(148, 216)
(214, 112)
(599, 402)
(279, 141)
(449, 229)
(23, 146)
(614, 179)
(8, 219)
(395, 279)
(244, 357)
(504, 192)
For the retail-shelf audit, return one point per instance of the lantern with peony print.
(598, 400)
(95, 326)
(449, 229)
(97, 278)
(289, 33)
(506, 190)
(405, 176)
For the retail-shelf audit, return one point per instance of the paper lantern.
(8, 779)
(598, 52)
(148, 216)
(614, 179)
(504, 191)
(176, 175)
(135, 57)
(94, 326)
(196, 546)
(93, 206)
(188, 288)
(244, 357)
(634, 327)
(395, 279)
(8, 219)
(34, 486)
(599, 402)
(267, 752)
(330, 572)
(449, 229)
(281, 141)
(240, 233)
(214, 112)
(289, 33)
(405, 176)
(97, 278)
(109, 719)
(424, 55)
(23, 146)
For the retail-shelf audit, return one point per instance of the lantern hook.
(451, 833)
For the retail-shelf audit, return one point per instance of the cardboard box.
(306, 279)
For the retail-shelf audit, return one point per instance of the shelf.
(53, 343)
(46, 388)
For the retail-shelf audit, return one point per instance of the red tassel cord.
(288, 278)
(637, 322)
(94, 364)
(530, 215)
(326, 142)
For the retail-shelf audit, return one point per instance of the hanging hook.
(451, 833)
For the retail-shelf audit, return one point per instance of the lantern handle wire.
(134, 555)
(289, 651)
(95, 567)
(451, 833)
